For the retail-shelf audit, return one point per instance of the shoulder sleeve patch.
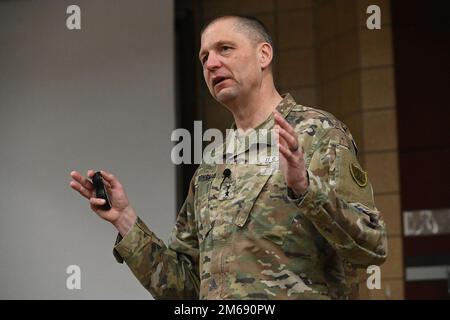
(352, 182)
(358, 174)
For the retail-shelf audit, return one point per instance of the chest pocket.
(202, 186)
(248, 182)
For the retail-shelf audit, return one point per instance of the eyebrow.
(215, 45)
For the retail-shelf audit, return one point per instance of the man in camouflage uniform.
(247, 231)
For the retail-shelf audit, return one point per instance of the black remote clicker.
(100, 191)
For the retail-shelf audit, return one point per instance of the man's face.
(230, 61)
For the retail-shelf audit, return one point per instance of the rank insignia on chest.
(359, 175)
(227, 189)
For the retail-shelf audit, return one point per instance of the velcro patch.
(358, 174)
(205, 177)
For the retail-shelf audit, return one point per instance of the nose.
(212, 62)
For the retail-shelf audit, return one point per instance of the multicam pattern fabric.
(244, 237)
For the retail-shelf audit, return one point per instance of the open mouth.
(218, 80)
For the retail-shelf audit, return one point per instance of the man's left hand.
(292, 163)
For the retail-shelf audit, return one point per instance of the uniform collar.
(284, 107)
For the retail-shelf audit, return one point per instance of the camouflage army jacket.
(248, 238)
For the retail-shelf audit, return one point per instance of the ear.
(265, 54)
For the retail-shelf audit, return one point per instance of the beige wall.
(326, 57)
(356, 83)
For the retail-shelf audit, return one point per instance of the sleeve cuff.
(137, 237)
(116, 254)
(314, 197)
(292, 196)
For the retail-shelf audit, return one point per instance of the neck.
(254, 109)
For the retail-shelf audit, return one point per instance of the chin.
(226, 95)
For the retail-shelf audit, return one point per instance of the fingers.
(82, 180)
(85, 187)
(90, 173)
(289, 141)
(288, 155)
(287, 134)
(109, 178)
(283, 123)
(83, 191)
(107, 184)
(280, 140)
(81, 184)
(97, 201)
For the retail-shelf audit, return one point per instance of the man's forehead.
(219, 32)
(226, 23)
